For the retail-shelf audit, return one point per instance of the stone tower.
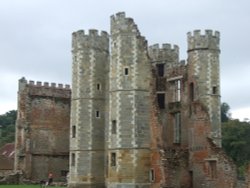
(129, 106)
(204, 76)
(90, 59)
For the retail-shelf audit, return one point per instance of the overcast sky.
(35, 38)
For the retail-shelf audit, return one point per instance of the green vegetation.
(236, 139)
(7, 129)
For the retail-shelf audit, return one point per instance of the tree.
(7, 122)
(225, 112)
(236, 141)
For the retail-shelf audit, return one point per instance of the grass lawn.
(25, 186)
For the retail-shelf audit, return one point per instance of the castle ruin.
(140, 117)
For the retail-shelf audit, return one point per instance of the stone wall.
(42, 129)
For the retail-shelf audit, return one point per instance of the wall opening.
(97, 114)
(73, 131)
(113, 128)
(98, 87)
(126, 71)
(151, 175)
(177, 128)
(177, 90)
(191, 90)
(73, 159)
(160, 69)
(214, 90)
(113, 159)
(213, 169)
(161, 100)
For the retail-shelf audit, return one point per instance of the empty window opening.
(113, 159)
(98, 86)
(73, 159)
(191, 88)
(161, 100)
(113, 128)
(73, 131)
(178, 90)
(151, 175)
(126, 71)
(160, 69)
(177, 127)
(214, 90)
(97, 114)
(213, 169)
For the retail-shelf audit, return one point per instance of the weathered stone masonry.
(142, 118)
(138, 116)
(42, 130)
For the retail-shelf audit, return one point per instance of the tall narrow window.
(177, 127)
(214, 90)
(98, 86)
(113, 128)
(191, 90)
(152, 175)
(213, 169)
(113, 159)
(97, 114)
(161, 100)
(73, 131)
(73, 159)
(126, 71)
(177, 90)
(160, 69)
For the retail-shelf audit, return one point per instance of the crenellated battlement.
(93, 39)
(209, 40)
(43, 84)
(165, 52)
(48, 85)
(119, 22)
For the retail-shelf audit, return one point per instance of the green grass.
(25, 186)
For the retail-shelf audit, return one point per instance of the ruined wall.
(129, 136)
(90, 70)
(42, 129)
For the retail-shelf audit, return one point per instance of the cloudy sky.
(35, 38)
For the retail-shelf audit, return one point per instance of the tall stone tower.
(129, 106)
(204, 76)
(90, 59)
